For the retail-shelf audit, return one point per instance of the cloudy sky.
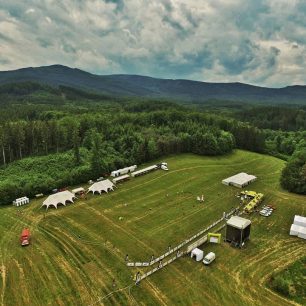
(259, 42)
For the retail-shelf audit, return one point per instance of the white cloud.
(260, 42)
(29, 11)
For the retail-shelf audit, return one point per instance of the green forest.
(54, 137)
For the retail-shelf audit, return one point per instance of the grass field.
(78, 250)
(291, 281)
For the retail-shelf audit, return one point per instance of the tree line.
(101, 134)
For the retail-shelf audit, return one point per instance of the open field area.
(78, 250)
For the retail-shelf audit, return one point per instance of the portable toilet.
(197, 253)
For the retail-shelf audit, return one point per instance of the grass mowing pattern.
(78, 250)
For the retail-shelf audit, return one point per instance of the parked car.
(209, 258)
(265, 213)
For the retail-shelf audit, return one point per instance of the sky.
(260, 42)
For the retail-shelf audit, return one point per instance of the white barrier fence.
(140, 277)
(184, 243)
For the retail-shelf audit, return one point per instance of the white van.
(209, 258)
(164, 166)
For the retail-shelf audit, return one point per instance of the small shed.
(237, 230)
(197, 253)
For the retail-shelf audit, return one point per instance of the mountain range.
(143, 86)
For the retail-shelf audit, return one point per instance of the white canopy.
(239, 180)
(59, 198)
(121, 178)
(299, 220)
(197, 253)
(78, 190)
(238, 222)
(144, 171)
(101, 186)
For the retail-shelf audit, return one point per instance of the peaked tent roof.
(59, 198)
(105, 186)
(240, 179)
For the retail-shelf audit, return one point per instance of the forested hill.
(142, 86)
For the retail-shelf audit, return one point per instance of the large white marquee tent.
(239, 180)
(59, 198)
(101, 186)
(298, 228)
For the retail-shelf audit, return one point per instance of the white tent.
(123, 171)
(99, 187)
(302, 232)
(21, 201)
(299, 220)
(197, 253)
(121, 178)
(294, 230)
(59, 198)
(238, 222)
(239, 180)
(144, 171)
(78, 190)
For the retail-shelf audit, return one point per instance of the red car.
(25, 237)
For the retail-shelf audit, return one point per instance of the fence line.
(160, 266)
(185, 242)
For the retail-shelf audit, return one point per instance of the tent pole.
(241, 237)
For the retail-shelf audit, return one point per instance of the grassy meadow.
(78, 251)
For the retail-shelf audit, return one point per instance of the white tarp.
(59, 198)
(197, 253)
(239, 180)
(101, 186)
(299, 220)
(121, 178)
(238, 222)
(294, 230)
(302, 232)
(145, 170)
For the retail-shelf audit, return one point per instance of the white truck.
(164, 166)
